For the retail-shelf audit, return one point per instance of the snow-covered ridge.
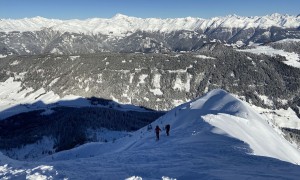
(220, 109)
(198, 143)
(120, 24)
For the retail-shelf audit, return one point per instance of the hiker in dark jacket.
(168, 129)
(157, 130)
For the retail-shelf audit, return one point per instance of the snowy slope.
(120, 25)
(292, 58)
(200, 147)
(15, 99)
(237, 119)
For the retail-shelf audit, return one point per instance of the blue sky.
(83, 9)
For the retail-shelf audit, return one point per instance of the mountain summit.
(119, 16)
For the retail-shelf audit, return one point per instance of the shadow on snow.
(67, 122)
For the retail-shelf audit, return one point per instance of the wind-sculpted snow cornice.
(120, 25)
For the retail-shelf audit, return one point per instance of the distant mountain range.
(130, 34)
(122, 25)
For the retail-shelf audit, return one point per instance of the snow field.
(292, 59)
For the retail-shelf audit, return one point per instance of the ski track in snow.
(213, 137)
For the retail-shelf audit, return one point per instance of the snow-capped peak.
(120, 24)
(119, 16)
(38, 18)
(233, 16)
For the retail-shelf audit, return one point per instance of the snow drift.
(239, 120)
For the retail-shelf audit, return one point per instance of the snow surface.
(212, 137)
(15, 99)
(122, 25)
(282, 118)
(32, 151)
(288, 40)
(2, 56)
(292, 59)
(181, 85)
(156, 85)
(204, 57)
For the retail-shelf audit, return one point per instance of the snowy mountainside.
(129, 34)
(214, 137)
(225, 112)
(163, 80)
